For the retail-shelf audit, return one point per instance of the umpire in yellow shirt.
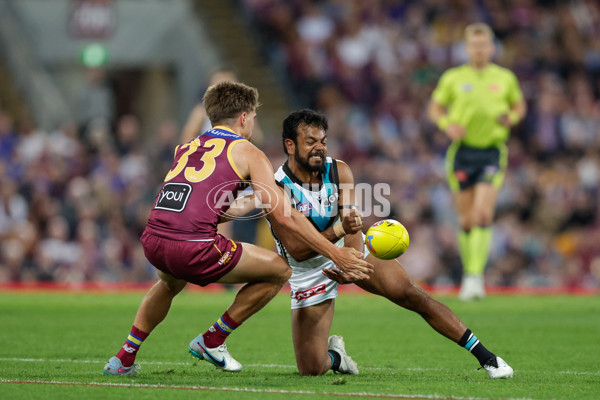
(476, 104)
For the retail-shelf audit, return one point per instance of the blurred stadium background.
(94, 93)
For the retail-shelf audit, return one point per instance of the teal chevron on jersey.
(319, 203)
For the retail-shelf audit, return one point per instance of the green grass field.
(53, 346)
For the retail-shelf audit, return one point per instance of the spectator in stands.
(8, 137)
(198, 122)
(95, 102)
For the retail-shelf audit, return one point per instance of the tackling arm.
(298, 250)
(351, 221)
(279, 207)
(240, 207)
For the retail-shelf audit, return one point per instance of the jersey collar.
(481, 71)
(225, 128)
(296, 180)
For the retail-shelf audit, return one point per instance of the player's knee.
(484, 218)
(397, 294)
(310, 373)
(286, 274)
(283, 272)
(174, 287)
(411, 297)
(310, 370)
(465, 222)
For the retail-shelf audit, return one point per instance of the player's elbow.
(289, 225)
(522, 109)
(284, 221)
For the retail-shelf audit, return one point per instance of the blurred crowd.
(371, 67)
(74, 202)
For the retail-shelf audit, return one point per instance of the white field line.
(167, 363)
(248, 390)
(579, 373)
(15, 359)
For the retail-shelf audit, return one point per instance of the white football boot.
(498, 369)
(347, 364)
(219, 356)
(472, 288)
(114, 366)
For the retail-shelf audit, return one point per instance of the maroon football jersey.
(200, 186)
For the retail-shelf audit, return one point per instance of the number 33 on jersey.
(188, 205)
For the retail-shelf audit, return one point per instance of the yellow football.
(387, 239)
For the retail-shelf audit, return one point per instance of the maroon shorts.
(196, 262)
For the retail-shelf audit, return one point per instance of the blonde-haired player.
(476, 104)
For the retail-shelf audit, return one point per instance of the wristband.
(338, 229)
(513, 117)
(443, 122)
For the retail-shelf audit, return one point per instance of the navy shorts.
(467, 166)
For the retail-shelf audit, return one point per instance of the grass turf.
(51, 339)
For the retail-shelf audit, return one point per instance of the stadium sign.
(92, 19)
